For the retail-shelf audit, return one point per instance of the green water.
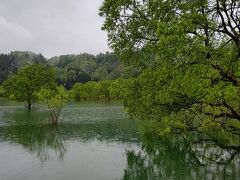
(97, 141)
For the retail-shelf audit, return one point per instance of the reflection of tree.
(179, 159)
(24, 128)
(43, 141)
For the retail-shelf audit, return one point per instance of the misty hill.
(10, 63)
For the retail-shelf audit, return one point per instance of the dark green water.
(97, 141)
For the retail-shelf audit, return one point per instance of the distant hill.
(26, 57)
(10, 63)
(69, 68)
(85, 67)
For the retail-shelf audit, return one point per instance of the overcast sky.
(51, 27)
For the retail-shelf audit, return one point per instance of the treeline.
(69, 69)
(102, 90)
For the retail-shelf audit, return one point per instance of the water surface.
(98, 141)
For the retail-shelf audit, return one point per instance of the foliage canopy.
(189, 52)
(55, 100)
(28, 81)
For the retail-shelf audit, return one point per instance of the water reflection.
(29, 130)
(192, 157)
(179, 158)
(41, 141)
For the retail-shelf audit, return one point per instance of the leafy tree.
(89, 90)
(104, 90)
(188, 53)
(28, 81)
(55, 100)
(92, 90)
(76, 91)
(99, 74)
(119, 88)
(132, 28)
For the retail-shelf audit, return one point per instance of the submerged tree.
(189, 52)
(55, 100)
(28, 81)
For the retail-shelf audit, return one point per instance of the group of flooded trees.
(37, 82)
(189, 56)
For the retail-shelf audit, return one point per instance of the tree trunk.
(29, 106)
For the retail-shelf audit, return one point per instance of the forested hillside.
(85, 67)
(69, 69)
(10, 63)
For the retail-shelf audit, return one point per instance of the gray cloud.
(52, 27)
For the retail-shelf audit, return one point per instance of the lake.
(98, 141)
